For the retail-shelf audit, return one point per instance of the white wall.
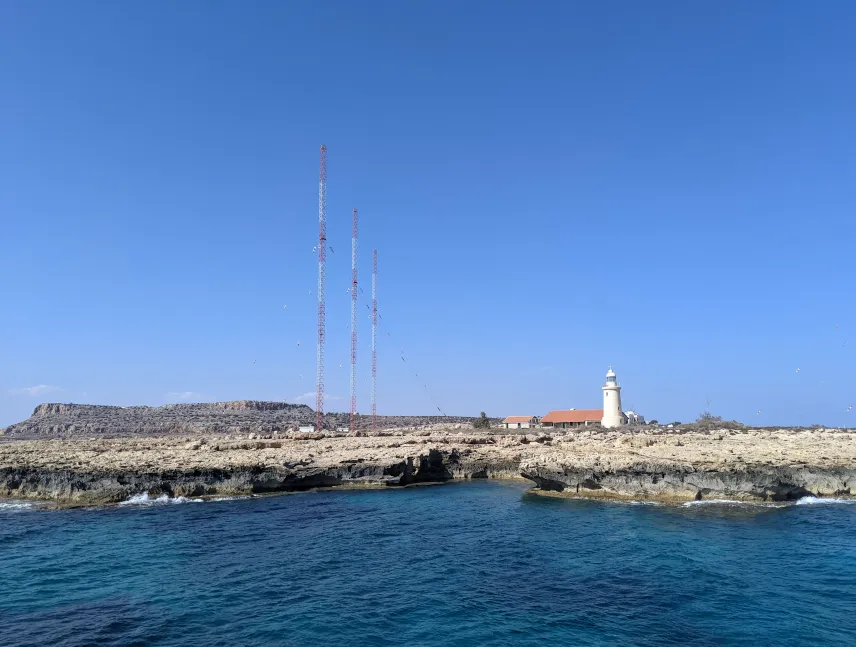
(517, 425)
(612, 406)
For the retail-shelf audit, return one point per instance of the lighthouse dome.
(611, 380)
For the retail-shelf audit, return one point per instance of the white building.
(307, 428)
(612, 415)
(521, 422)
(634, 418)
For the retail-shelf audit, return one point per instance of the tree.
(707, 416)
(482, 422)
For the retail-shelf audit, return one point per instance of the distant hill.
(54, 420)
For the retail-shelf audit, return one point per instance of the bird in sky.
(798, 370)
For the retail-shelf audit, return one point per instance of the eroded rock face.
(681, 483)
(107, 471)
(751, 464)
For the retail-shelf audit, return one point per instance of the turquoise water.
(463, 564)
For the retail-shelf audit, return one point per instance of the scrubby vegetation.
(482, 422)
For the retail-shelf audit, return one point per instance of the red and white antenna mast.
(352, 420)
(322, 272)
(374, 339)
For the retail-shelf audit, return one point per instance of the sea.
(475, 563)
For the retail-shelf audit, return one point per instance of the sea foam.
(14, 505)
(813, 500)
(690, 504)
(145, 499)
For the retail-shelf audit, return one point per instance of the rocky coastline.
(45, 459)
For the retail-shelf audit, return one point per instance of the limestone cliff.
(649, 463)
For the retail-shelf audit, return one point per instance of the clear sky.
(552, 187)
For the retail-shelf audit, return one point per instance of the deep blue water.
(464, 564)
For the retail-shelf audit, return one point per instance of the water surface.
(463, 564)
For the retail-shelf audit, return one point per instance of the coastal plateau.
(89, 455)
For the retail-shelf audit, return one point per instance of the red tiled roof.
(574, 415)
(518, 418)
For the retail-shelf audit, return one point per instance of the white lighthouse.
(612, 416)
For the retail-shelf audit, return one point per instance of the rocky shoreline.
(647, 463)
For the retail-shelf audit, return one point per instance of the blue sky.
(552, 187)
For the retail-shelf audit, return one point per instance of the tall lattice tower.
(374, 339)
(352, 420)
(322, 272)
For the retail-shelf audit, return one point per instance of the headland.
(90, 455)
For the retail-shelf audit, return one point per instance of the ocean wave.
(14, 505)
(813, 500)
(146, 500)
(690, 504)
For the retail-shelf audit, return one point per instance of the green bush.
(482, 422)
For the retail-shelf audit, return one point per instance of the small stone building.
(567, 418)
(521, 422)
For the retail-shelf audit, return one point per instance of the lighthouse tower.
(612, 416)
